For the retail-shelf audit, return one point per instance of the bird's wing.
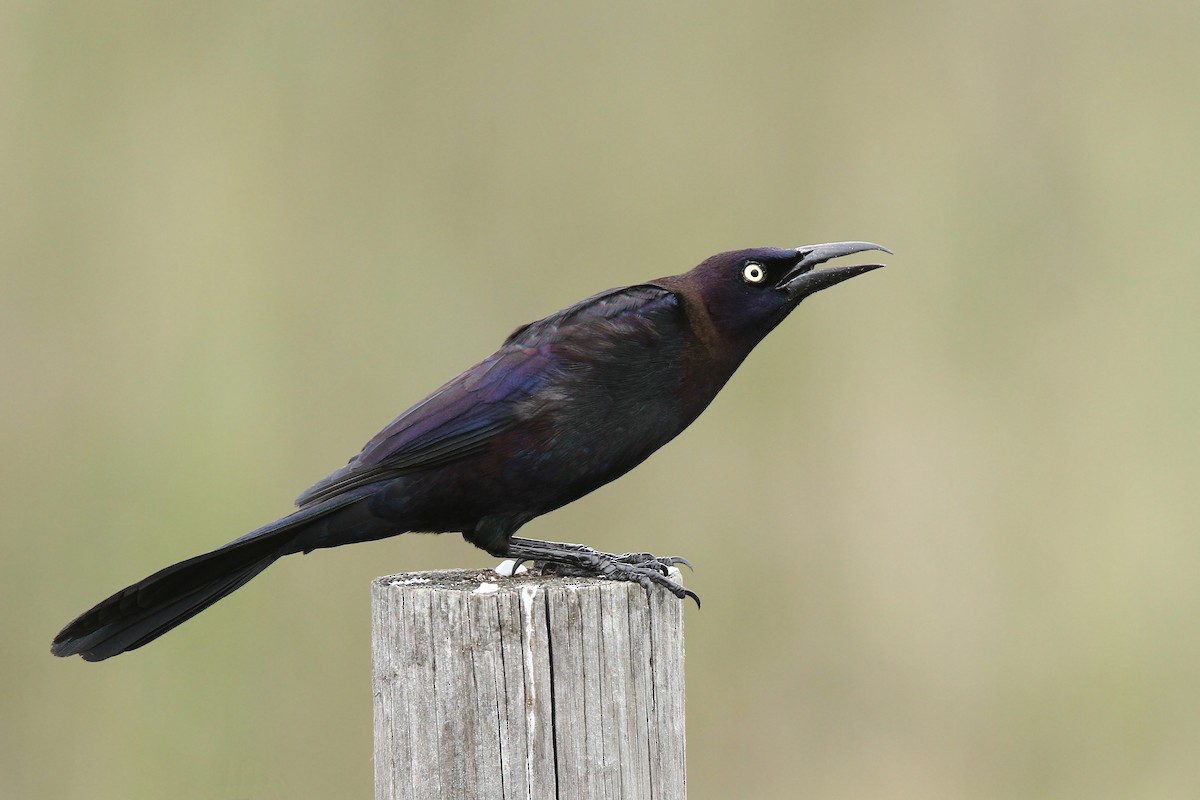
(462, 417)
(457, 420)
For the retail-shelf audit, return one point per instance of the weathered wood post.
(526, 687)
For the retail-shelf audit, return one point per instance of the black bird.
(567, 404)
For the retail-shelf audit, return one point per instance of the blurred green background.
(944, 520)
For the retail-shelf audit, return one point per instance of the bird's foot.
(641, 568)
(661, 563)
(560, 558)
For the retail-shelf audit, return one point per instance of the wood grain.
(526, 687)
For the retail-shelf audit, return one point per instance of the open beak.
(802, 280)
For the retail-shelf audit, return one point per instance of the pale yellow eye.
(754, 273)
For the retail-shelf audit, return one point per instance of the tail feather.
(140, 613)
(149, 608)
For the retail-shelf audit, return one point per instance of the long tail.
(149, 608)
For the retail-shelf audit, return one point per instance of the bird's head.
(746, 293)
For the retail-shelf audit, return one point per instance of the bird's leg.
(581, 560)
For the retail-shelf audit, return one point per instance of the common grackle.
(567, 404)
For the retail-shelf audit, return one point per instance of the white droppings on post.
(414, 580)
(508, 567)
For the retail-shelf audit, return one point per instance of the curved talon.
(567, 560)
(647, 573)
(679, 591)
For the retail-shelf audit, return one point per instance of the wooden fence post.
(526, 687)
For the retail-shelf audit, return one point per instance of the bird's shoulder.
(628, 310)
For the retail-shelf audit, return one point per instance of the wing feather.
(464, 416)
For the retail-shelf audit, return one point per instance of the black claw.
(558, 558)
(651, 572)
